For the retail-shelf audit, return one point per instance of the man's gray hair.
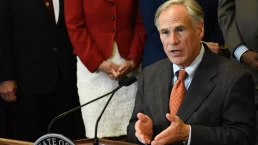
(193, 8)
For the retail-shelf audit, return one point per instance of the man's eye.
(164, 32)
(180, 30)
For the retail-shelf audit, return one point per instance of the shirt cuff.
(141, 141)
(240, 50)
(189, 137)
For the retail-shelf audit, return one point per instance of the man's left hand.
(176, 132)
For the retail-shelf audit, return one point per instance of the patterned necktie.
(50, 7)
(177, 93)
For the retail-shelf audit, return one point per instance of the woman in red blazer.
(108, 38)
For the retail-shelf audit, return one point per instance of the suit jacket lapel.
(200, 87)
(164, 84)
(46, 11)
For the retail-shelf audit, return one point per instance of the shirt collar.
(193, 66)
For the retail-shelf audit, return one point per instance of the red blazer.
(94, 25)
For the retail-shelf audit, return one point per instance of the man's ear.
(200, 29)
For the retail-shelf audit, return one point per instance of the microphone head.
(130, 81)
(122, 80)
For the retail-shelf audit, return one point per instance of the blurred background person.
(153, 50)
(108, 37)
(38, 69)
(4, 105)
(239, 23)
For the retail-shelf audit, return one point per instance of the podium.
(101, 142)
(77, 142)
(4, 141)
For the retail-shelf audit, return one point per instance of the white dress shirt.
(56, 9)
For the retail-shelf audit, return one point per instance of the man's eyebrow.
(163, 29)
(179, 27)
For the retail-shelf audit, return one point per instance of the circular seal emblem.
(53, 139)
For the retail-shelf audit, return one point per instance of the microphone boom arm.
(72, 110)
(125, 81)
(96, 141)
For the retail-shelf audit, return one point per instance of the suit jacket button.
(55, 49)
(113, 30)
(111, 4)
(113, 18)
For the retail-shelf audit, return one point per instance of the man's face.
(180, 37)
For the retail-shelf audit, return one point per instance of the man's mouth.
(175, 51)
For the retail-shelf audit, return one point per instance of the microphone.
(122, 80)
(126, 82)
(129, 81)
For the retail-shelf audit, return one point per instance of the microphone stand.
(96, 141)
(126, 82)
(76, 108)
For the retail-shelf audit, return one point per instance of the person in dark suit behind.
(38, 69)
(218, 106)
(239, 23)
(3, 104)
(153, 50)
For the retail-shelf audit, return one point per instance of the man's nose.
(173, 39)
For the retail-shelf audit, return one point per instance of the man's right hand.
(143, 128)
(8, 90)
(110, 69)
(250, 58)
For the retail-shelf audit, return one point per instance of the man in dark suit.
(218, 106)
(239, 22)
(153, 50)
(38, 69)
